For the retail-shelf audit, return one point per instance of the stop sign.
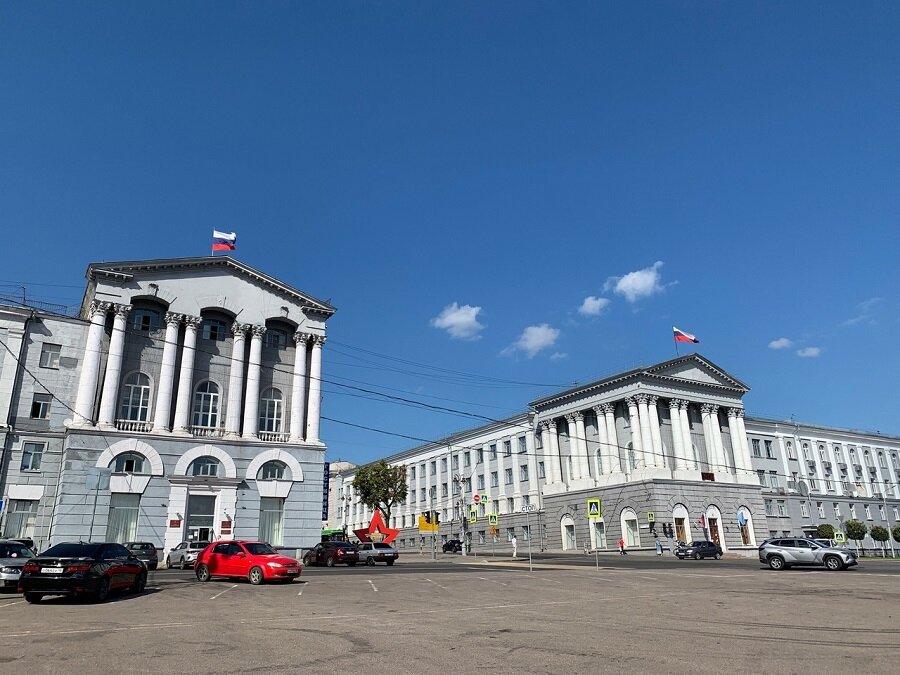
(476, 498)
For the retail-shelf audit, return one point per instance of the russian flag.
(681, 336)
(223, 241)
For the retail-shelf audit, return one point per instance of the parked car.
(452, 546)
(144, 550)
(782, 553)
(371, 552)
(93, 569)
(699, 549)
(331, 553)
(27, 541)
(252, 560)
(13, 555)
(185, 554)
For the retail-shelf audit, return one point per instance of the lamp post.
(887, 517)
(431, 493)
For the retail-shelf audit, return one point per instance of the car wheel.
(256, 576)
(696, 556)
(776, 562)
(140, 583)
(833, 563)
(102, 590)
(370, 561)
(308, 561)
(203, 573)
(329, 561)
(33, 597)
(718, 556)
(168, 562)
(389, 562)
(183, 563)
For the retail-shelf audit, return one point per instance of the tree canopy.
(381, 486)
(825, 531)
(856, 530)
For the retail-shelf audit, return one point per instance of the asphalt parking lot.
(489, 616)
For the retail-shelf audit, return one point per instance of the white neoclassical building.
(193, 383)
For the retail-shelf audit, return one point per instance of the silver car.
(185, 554)
(13, 555)
(780, 554)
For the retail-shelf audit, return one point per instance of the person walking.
(658, 547)
(622, 547)
(515, 545)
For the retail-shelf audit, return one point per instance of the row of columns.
(646, 439)
(162, 422)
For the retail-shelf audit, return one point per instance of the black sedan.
(452, 546)
(89, 569)
(698, 550)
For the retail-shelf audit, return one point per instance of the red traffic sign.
(476, 499)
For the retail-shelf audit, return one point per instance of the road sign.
(428, 527)
(528, 508)
(651, 517)
(593, 509)
(492, 519)
(839, 537)
(473, 516)
(494, 532)
(476, 499)
(484, 499)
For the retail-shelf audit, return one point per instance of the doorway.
(714, 530)
(568, 533)
(201, 513)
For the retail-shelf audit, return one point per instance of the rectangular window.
(838, 455)
(434, 468)
(467, 484)
(829, 485)
(479, 456)
(510, 505)
(275, 339)
(32, 454)
(50, 355)
(144, 320)
(526, 532)
(770, 507)
(762, 477)
(782, 508)
(482, 509)
(40, 406)
(882, 462)
(213, 329)
(467, 459)
(526, 500)
(507, 448)
(494, 481)
(813, 485)
(804, 510)
(123, 517)
(523, 473)
(792, 453)
(271, 520)
(443, 489)
(496, 506)
(480, 482)
(455, 462)
(868, 510)
(481, 537)
(773, 479)
(523, 448)
(853, 511)
(21, 518)
(837, 510)
(493, 451)
(508, 476)
(541, 473)
(820, 509)
(755, 443)
(769, 452)
(412, 472)
(422, 495)
(444, 465)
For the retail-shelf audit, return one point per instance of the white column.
(110, 394)
(298, 388)
(90, 365)
(581, 447)
(315, 390)
(710, 431)
(677, 436)
(251, 402)
(659, 457)
(516, 461)
(572, 459)
(603, 437)
(689, 455)
(745, 444)
(736, 447)
(533, 481)
(501, 471)
(551, 452)
(163, 410)
(235, 380)
(634, 421)
(612, 438)
(182, 424)
(650, 457)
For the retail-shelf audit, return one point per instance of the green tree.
(381, 486)
(856, 530)
(880, 534)
(825, 531)
(895, 533)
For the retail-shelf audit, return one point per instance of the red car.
(252, 560)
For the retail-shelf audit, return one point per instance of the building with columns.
(660, 445)
(192, 386)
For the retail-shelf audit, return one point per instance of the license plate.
(293, 570)
(51, 570)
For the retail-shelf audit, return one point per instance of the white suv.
(780, 554)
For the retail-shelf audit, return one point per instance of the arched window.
(745, 525)
(129, 462)
(204, 466)
(206, 405)
(273, 470)
(271, 410)
(630, 529)
(135, 400)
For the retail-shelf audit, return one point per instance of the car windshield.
(382, 545)
(15, 551)
(142, 546)
(260, 549)
(695, 543)
(198, 544)
(342, 544)
(72, 551)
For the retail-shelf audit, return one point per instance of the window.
(206, 405)
(134, 403)
(508, 476)
(129, 462)
(813, 485)
(821, 452)
(213, 329)
(804, 509)
(144, 320)
(773, 479)
(770, 507)
(422, 495)
(493, 451)
(782, 508)
(829, 485)
(444, 465)
(523, 448)
(526, 532)
(123, 517)
(482, 509)
(541, 473)
(467, 459)
(432, 469)
(882, 462)
(837, 510)
(40, 406)
(868, 457)
(271, 520)
(510, 505)
(756, 451)
(526, 500)
(456, 462)
(895, 461)
(32, 454)
(496, 505)
(21, 518)
(838, 456)
(769, 452)
(443, 489)
(507, 448)
(762, 477)
(467, 484)
(523, 473)
(275, 338)
(204, 466)
(852, 511)
(820, 509)
(481, 482)
(599, 459)
(494, 481)
(412, 472)
(273, 470)
(792, 454)
(50, 355)
(271, 410)
(881, 511)
(868, 511)
(479, 456)
(806, 454)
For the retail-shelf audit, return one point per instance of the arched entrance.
(630, 528)
(567, 530)
(745, 525)
(714, 526)
(598, 534)
(681, 523)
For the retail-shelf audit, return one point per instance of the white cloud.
(593, 306)
(460, 322)
(533, 339)
(557, 356)
(809, 352)
(864, 310)
(638, 284)
(781, 343)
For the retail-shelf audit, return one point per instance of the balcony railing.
(274, 436)
(208, 432)
(134, 425)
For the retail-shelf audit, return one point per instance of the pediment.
(698, 370)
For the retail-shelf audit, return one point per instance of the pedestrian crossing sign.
(473, 516)
(651, 517)
(492, 519)
(593, 509)
(839, 537)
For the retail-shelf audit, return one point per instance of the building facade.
(183, 403)
(668, 453)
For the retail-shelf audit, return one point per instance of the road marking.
(552, 581)
(300, 592)
(435, 583)
(373, 585)
(10, 604)
(493, 581)
(225, 591)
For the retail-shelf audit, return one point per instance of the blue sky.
(500, 198)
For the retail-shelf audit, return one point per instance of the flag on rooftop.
(223, 241)
(681, 336)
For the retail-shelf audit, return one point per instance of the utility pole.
(433, 520)
(887, 517)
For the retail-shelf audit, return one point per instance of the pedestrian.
(622, 547)
(515, 545)
(658, 547)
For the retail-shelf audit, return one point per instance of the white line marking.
(552, 581)
(436, 583)
(225, 591)
(10, 604)
(300, 592)
(373, 585)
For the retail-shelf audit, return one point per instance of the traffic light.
(437, 518)
(428, 517)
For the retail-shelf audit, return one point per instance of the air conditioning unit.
(780, 491)
(876, 495)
